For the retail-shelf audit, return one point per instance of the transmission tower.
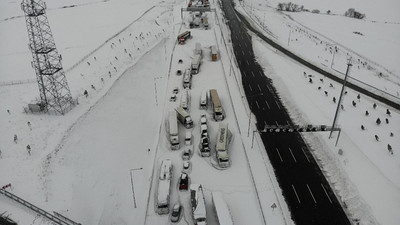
(53, 86)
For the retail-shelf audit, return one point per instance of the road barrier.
(57, 218)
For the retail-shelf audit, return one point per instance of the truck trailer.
(218, 111)
(195, 65)
(183, 37)
(221, 147)
(214, 53)
(198, 204)
(187, 79)
(164, 186)
(184, 117)
(173, 130)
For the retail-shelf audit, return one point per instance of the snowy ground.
(87, 164)
(329, 41)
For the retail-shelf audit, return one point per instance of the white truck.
(198, 204)
(187, 79)
(164, 186)
(221, 209)
(203, 100)
(195, 65)
(184, 117)
(185, 99)
(173, 130)
(221, 146)
(197, 49)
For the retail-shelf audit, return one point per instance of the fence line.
(58, 220)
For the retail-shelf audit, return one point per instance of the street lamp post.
(155, 88)
(349, 65)
(133, 189)
(251, 104)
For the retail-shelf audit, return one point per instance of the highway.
(304, 187)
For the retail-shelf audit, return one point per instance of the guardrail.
(57, 218)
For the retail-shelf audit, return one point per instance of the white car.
(186, 167)
(188, 138)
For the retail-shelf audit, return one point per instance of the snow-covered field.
(92, 162)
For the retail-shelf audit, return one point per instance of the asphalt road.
(306, 190)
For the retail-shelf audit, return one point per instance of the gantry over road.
(306, 190)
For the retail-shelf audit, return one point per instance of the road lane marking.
(252, 73)
(277, 104)
(260, 72)
(276, 122)
(311, 194)
(279, 154)
(259, 88)
(242, 52)
(251, 89)
(247, 63)
(245, 44)
(244, 73)
(292, 155)
(305, 155)
(298, 199)
(326, 193)
(258, 106)
(267, 104)
(240, 45)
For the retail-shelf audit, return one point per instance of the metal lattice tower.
(53, 86)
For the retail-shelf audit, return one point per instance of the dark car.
(176, 213)
(184, 182)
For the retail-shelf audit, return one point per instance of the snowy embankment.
(328, 41)
(363, 154)
(30, 175)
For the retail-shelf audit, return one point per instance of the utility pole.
(251, 106)
(349, 65)
(55, 95)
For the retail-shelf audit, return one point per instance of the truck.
(164, 187)
(203, 100)
(198, 204)
(197, 49)
(184, 117)
(222, 213)
(214, 53)
(221, 145)
(185, 99)
(173, 130)
(183, 37)
(195, 65)
(187, 79)
(218, 111)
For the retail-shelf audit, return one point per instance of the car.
(203, 130)
(186, 167)
(175, 90)
(203, 119)
(172, 98)
(186, 154)
(179, 72)
(184, 182)
(188, 138)
(176, 213)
